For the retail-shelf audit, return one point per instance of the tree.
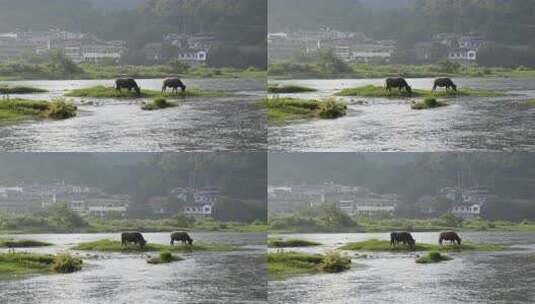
(332, 64)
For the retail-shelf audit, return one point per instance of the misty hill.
(115, 5)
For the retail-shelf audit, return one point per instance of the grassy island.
(379, 91)
(285, 109)
(428, 103)
(289, 89)
(111, 92)
(284, 264)
(433, 257)
(21, 109)
(22, 243)
(384, 245)
(116, 246)
(157, 104)
(164, 257)
(279, 243)
(6, 90)
(19, 264)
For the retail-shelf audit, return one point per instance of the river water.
(202, 277)
(234, 123)
(468, 124)
(472, 277)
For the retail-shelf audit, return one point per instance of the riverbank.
(37, 225)
(41, 72)
(301, 224)
(287, 70)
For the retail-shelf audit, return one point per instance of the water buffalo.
(127, 83)
(399, 83)
(444, 82)
(133, 237)
(451, 236)
(173, 83)
(402, 237)
(181, 236)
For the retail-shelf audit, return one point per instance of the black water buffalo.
(444, 83)
(173, 83)
(127, 83)
(181, 236)
(451, 236)
(399, 83)
(402, 237)
(133, 237)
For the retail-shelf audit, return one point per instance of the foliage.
(334, 262)
(428, 103)
(110, 92)
(22, 263)
(60, 109)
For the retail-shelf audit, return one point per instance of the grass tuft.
(20, 90)
(65, 263)
(284, 264)
(22, 243)
(164, 258)
(158, 103)
(433, 257)
(428, 103)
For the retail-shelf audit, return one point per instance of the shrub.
(430, 102)
(334, 262)
(166, 256)
(65, 263)
(60, 109)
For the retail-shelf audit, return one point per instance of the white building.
(462, 54)
(467, 211)
(192, 57)
(199, 210)
(369, 206)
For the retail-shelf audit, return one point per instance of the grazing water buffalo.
(402, 237)
(398, 83)
(127, 83)
(173, 83)
(451, 236)
(181, 236)
(444, 83)
(133, 237)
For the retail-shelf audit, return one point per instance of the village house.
(198, 202)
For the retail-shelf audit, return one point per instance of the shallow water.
(234, 123)
(468, 124)
(472, 277)
(203, 277)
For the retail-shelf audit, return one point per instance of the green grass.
(531, 258)
(278, 243)
(164, 258)
(157, 104)
(384, 245)
(289, 89)
(433, 257)
(281, 265)
(22, 243)
(116, 246)
(20, 264)
(285, 109)
(111, 92)
(378, 91)
(20, 109)
(428, 103)
(20, 90)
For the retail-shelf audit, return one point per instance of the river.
(468, 124)
(234, 123)
(472, 277)
(117, 278)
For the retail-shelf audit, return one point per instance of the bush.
(430, 102)
(65, 263)
(60, 109)
(433, 257)
(166, 256)
(334, 262)
(332, 109)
